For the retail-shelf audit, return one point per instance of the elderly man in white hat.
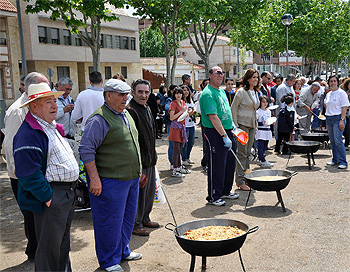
(47, 172)
(110, 151)
(13, 120)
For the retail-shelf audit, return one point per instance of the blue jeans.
(186, 149)
(335, 136)
(262, 146)
(316, 122)
(171, 146)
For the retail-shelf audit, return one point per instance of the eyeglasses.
(219, 73)
(269, 78)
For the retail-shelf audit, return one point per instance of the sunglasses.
(219, 73)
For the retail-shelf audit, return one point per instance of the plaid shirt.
(61, 163)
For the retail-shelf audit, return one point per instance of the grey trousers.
(305, 123)
(53, 230)
(243, 152)
(146, 198)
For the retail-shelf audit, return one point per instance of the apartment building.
(10, 54)
(50, 44)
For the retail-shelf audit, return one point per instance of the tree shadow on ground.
(25, 266)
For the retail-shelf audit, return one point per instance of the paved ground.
(313, 235)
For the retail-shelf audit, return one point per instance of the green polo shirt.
(214, 101)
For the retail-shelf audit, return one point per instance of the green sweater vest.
(118, 156)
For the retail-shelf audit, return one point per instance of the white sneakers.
(218, 202)
(266, 164)
(132, 257)
(187, 162)
(230, 196)
(178, 172)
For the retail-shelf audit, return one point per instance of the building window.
(66, 37)
(125, 43)
(200, 61)
(108, 72)
(108, 41)
(54, 36)
(63, 71)
(117, 42)
(42, 34)
(132, 43)
(124, 71)
(77, 40)
(235, 70)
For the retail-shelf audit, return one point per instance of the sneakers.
(342, 166)
(230, 196)
(177, 174)
(186, 163)
(171, 167)
(114, 268)
(266, 164)
(218, 202)
(331, 163)
(134, 256)
(190, 161)
(184, 170)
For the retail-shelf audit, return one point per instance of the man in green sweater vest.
(110, 151)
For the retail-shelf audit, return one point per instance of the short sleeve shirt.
(334, 102)
(214, 101)
(175, 106)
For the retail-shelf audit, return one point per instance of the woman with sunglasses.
(243, 108)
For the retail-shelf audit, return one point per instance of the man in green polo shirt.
(218, 125)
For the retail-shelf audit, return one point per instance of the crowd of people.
(119, 128)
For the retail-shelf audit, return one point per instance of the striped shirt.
(61, 163)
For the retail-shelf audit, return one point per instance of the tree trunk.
(207, 68)
(167, 58)
(96, 55)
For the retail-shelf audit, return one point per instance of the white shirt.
(61, 163)
(87, 102)
(252, 93)
(188, 120)
(335, 101)
(13, 120)
(262, 133)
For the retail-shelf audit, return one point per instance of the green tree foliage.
(80, 14)
(320, 30)
(164, 15)
(152, 40)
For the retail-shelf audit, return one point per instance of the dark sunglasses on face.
(219, 73)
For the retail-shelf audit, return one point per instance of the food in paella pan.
(322, 117)
(211, 233)
(267, 178)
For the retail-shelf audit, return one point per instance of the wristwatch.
(342, 119)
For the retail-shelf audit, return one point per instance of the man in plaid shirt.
(47, 172)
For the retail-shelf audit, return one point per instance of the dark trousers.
(262, 147)
(282, 136)
(53, 230)
(221, 164)
(29, 226)
(146, 198)
(176, 154)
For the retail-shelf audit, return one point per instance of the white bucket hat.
(40, 90)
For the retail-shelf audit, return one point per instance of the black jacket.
(286, 121)
(147, 132)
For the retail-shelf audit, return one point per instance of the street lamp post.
(287, 20)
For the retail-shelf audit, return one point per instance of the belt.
(69, 184)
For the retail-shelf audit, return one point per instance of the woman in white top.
(336, 103)
(190, 131)
(263, 134)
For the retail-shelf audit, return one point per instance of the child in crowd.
(285, 124)
(190, 130)
(264, 134)
(177, 131)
